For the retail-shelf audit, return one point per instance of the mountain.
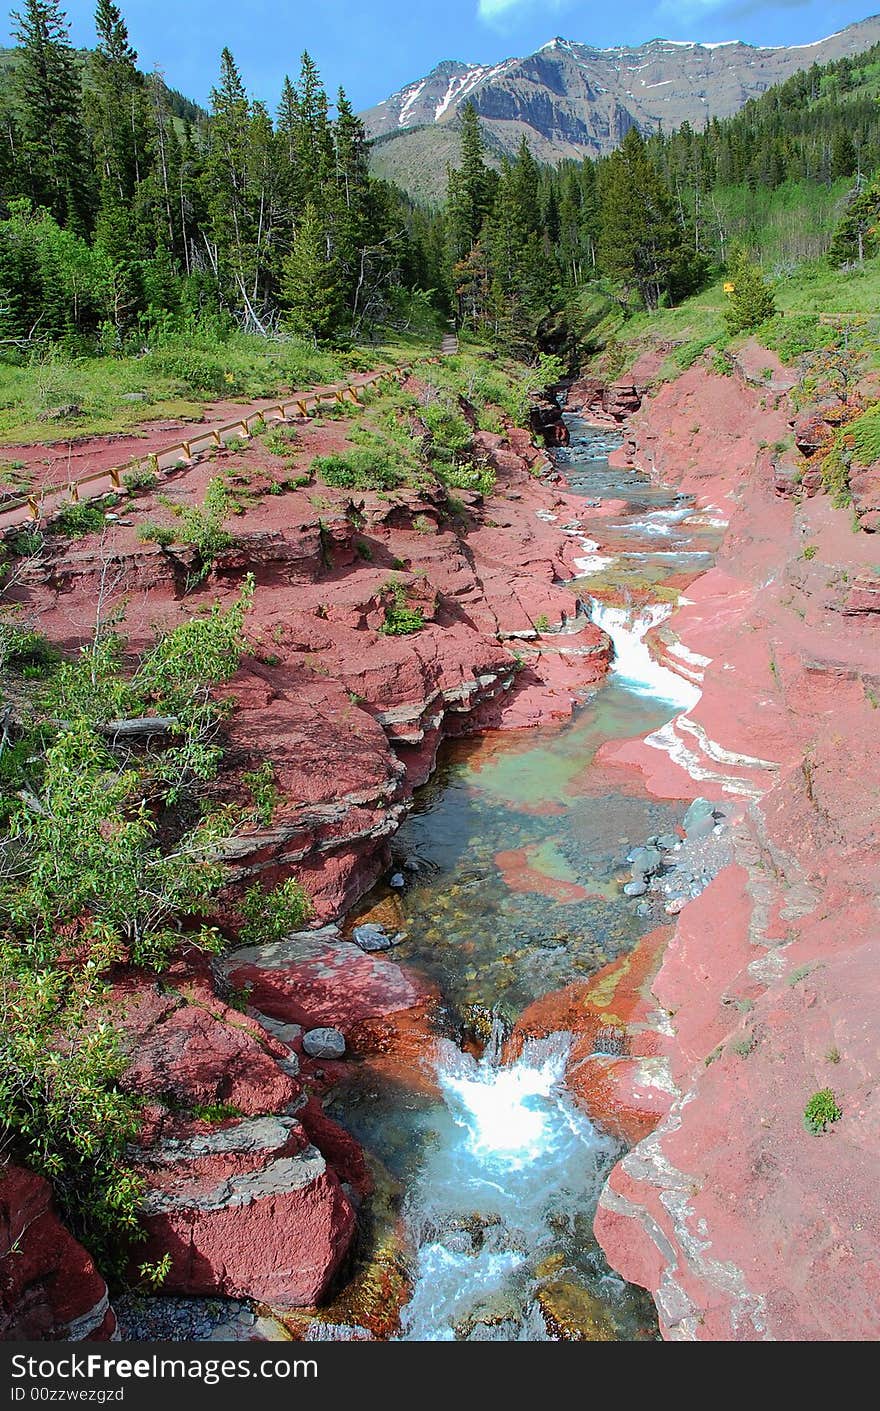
(573, 100)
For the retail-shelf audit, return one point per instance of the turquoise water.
(514, 856)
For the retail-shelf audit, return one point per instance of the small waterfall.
(633, 664)
(514, 1167)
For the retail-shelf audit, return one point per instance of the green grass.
(172, 382)
(810, 289)
(865, 434)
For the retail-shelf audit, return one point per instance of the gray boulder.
(635, 889)
(372, 938)
(324, 1043)
(646, 862)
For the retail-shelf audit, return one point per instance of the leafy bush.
(821, 1109)
(468, 477)
(25, 544)
(21, 649)
(150, 533)
(61, 1110)
(261, 783)
(139, 478)
(865, 434)
(362, 469)
(449, 430)
(400, 619)
(271, 915)
(793, 336)
(196, 370)
(77, 520)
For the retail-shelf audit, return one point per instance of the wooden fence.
(34, 508)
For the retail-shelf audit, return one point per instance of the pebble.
(636, 888)
(372, 938)
(398, 881)
(324, 1043)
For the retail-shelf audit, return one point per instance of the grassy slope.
(177, 380)
(812, 290)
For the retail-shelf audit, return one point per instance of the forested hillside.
(129, 215)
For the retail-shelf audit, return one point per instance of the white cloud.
(496, 12)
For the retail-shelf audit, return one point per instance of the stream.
(515, 855)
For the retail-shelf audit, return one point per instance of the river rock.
(699, 810)
(324, 1043)
(668, 841)
(636, 888)
(372, 938)
(398, 881)
(646, 862)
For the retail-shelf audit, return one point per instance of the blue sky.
(373, 47)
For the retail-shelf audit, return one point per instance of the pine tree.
(469, 187)
(641, 243)
(234, 192)
(117, 115)
(116, 109)
(53, 162)
(523, 269)
(310, 287)
(750, 300)
(858, 234)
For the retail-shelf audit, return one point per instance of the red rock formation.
(248, 1209)
(249, 1187)
(243, 1174)
(619, 1061)
(50, 1289)
(743, 1224)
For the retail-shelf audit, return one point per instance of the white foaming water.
(593, 561)
(633, 664)
(658, 522)
(514, 1164)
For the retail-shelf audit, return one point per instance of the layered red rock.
(315, 979)
(743, 1224)
(50, 1289)
(249, 1209)
(619, 1063)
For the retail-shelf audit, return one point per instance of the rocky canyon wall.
(744, 1224)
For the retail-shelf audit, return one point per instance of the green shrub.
(150, 533)
(468, 477)
(77, 520)
(865, 436)
(269, 916)
(400, 619)
(362, 469)
(793, 336)
(261, 784)
(62, 1112)
(281, 441)
(24, 650)
(197, 371)
(821, 1109)
(25, 544)
(449, 430)
(139, 478)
